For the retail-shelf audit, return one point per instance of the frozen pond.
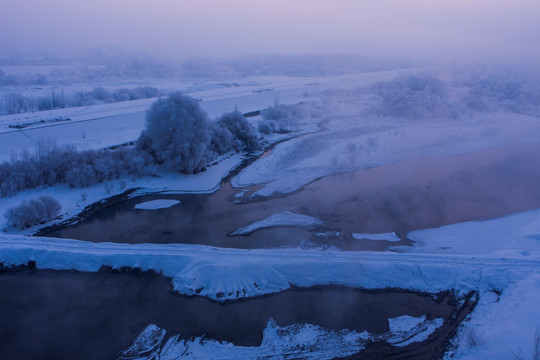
(414, 194)
(68, 315)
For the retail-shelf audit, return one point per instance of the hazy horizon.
(443, 30)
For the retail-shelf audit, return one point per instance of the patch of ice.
(146, 345)
(157, 204)
(327, 234)
(405, 323)
(377, 237)
(303, 341)
(285, 218)
(406, 330)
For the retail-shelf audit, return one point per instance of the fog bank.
(448, 30)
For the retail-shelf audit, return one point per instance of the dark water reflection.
(410, 195)
(68, 315)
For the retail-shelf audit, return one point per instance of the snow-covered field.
(105, 125)
(499, 258)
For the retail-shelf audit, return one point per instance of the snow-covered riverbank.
(499, 258)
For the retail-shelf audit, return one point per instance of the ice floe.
(157, 204)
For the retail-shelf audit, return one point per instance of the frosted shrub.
(33, 212)
(241, 130)
(221, 141)
(281, 118)
(232, 131)
(502, 91)
(177, 133)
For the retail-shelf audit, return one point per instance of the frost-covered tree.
(177, 133)
(221, 140)
(33, 212)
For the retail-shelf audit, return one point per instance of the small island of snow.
(377, 237)
(284, 218)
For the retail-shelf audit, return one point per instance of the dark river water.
(68, 315)
(409, 195)
(64, 315)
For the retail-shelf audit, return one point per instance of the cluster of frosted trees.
(502, 91)
(179, 133)
(412, 97)
(51, 164)
(424, 96)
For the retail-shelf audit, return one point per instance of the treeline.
(15, 103)
(51, 164)
(30, 79)
(502, 91)
(287, 65)
(100, 66)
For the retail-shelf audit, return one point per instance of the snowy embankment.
(223, 274)
(285, 218)
(304, 341)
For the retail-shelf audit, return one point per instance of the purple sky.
(434, 29)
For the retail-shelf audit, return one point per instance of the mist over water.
(66, 315)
